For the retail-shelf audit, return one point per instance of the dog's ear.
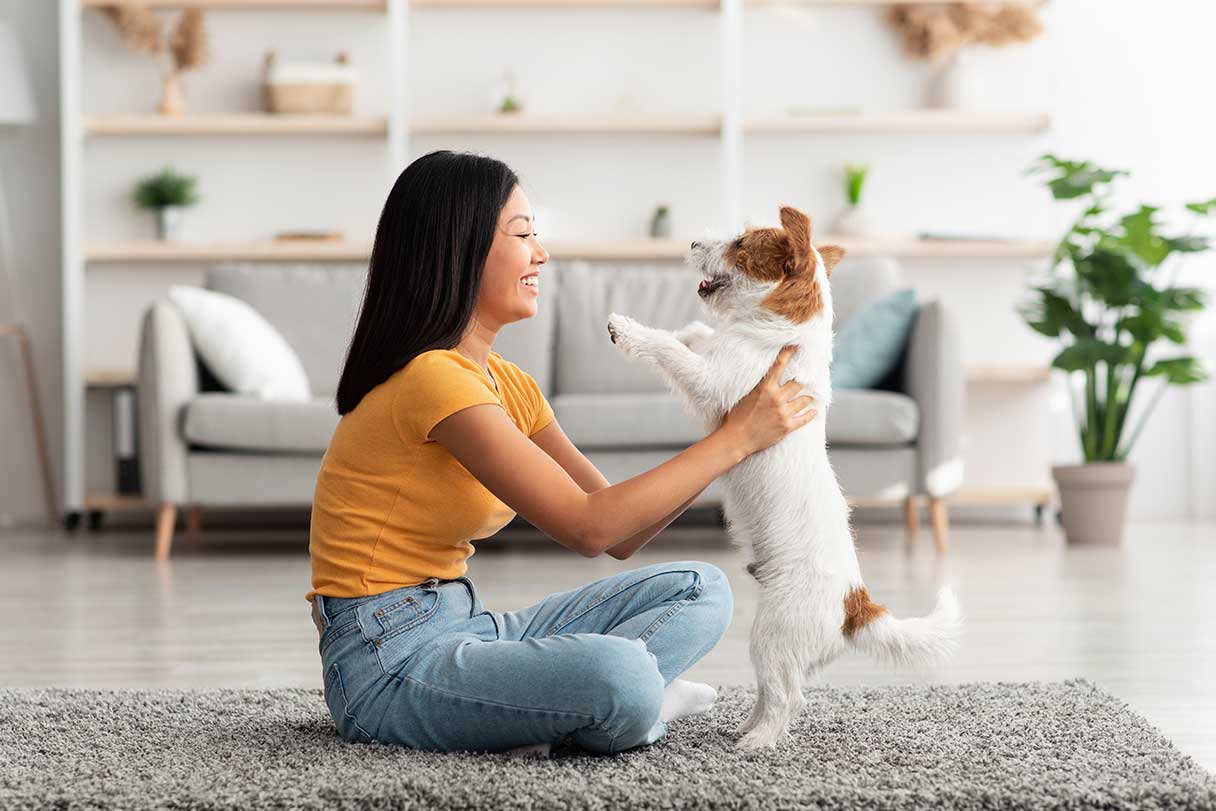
(831, 255)
(797, 225)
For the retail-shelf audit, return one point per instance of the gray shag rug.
(1062, 745)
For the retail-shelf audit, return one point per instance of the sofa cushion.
(859, 280)
(872, 342)
(633, 420)
(870, 417)
(658, 419)
(239, 346)
(587, 360)
(313, 306)
(234, 421)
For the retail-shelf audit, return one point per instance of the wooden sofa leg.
(166, 517)
(911, 516)
(940, 521)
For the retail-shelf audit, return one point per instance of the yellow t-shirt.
(393, 508)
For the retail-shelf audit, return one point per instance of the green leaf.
(1203, 207)
(1086, 354)
(1183, 298)
(1074, 178)
(1189, 244)
(1112, 275)
(1052, 312)
(1141, 238)
(1179, 371)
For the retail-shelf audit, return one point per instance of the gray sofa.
(201, 446)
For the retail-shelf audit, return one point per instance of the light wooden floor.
(96, 610)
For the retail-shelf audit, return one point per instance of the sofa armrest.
(166, 380)
(934, 378)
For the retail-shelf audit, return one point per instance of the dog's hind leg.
(779, 664)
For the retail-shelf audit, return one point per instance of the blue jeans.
(427, 666)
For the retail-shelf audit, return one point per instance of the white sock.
(530, 750)
(682, 698)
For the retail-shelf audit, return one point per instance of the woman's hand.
(769, 411)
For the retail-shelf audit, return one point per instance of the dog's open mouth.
(708, 286)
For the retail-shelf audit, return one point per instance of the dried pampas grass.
(141, 29)
(189, 44)
(138, 26)
(936, 30)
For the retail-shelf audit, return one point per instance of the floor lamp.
(17, 109)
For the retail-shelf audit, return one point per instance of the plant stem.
(1152, 405)
(1091, 414)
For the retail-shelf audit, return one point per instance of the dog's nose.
(695, 245)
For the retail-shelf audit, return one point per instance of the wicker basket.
(309, 88)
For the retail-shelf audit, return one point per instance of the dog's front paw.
(624, 332)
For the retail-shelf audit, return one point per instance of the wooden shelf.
(235, 124)
(168, 252)
(999, 496)
(641, 249)
(906, 121)
(862, 2)
(109, 378)
(117, 501)
(572, 4)
(912, 248)
(524, 124)
(321, 5)
(1009, 375)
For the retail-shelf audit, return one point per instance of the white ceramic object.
(853, 221)
(955, 84)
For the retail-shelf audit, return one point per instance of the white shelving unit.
(393, 131)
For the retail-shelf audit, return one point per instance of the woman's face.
(511, 279)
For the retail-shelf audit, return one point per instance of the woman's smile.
(531, 282)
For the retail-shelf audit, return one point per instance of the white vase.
(955, 85)
(853, 221)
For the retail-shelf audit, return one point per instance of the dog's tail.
(917, 641)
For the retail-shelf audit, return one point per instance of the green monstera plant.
(1111, 296)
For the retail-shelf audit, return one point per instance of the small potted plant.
(853, 220)
(1112, 299)
(507, 98)
(167, 192)
(660, 222)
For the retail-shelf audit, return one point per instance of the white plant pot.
(854, 221)
(169, 223)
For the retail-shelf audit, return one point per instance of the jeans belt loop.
(317, 616)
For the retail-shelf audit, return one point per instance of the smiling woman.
(443, 441)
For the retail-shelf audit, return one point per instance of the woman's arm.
(485, 440)
(490, 446)
(553, 441)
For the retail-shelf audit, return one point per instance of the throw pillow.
(870, 343)
(244, 351)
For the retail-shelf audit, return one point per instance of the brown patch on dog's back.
(859, 611)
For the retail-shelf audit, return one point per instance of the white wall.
(1128, 85)
(29, 167)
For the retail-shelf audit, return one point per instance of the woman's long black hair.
(431, 245)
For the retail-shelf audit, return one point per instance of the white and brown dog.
(769, 288)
